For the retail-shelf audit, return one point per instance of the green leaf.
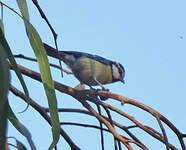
(24, 9)
(12, 61)
(1, 25)
(4, 85)
(3, 125)
(48, 84)
(4, 76)
(20, 127)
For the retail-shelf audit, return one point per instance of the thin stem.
(86, 94)
(163, 132)
(35, 60)
(84, 125)
(101, 128)
(11, 9)
(42, 112)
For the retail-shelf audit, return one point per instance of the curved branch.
(111, 121)
(79, 97)
(125, 100)
(131, 119)
(109, 126)
(35, 60)
(163, 132)
(124, 128)
(84, 125)
(45, 18)
(101, 128)
(42, 112)
(90, 95)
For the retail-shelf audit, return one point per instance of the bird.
(91, 70)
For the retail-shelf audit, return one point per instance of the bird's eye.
(121, 69)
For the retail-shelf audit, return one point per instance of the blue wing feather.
(54, 53)
(77, 55)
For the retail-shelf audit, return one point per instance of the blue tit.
(91, 70)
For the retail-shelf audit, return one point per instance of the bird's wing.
(94, 57)
(54, 53)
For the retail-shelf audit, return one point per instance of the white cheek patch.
(115, 72)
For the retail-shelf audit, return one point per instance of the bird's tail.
(53, 52)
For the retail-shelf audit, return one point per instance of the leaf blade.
(48, 84)
(4, 80)
(13, 62)
(20, 127)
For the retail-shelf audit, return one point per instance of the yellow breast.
(87, 68)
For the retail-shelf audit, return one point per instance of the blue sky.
(147, 37)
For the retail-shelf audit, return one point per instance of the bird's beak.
(122, 80)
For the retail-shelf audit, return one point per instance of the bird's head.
(118, 72)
